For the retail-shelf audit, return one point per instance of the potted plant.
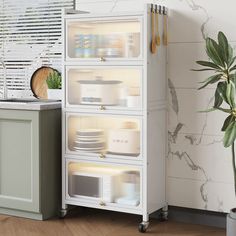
(222, 65)
(54, 85)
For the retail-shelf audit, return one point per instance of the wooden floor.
(99, 223)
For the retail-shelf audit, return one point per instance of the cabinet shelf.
(104, 134)
(110, 206)
(103, 184)
(104, 88)
(103, 38)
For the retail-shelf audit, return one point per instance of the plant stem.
(227, 75)
(234, 167)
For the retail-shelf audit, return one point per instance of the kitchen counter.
(30, 104)
(30, 157)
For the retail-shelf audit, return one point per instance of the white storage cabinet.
(114, 114)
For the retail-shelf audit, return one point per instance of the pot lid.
(99, 82)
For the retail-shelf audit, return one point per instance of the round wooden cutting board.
(38, 82)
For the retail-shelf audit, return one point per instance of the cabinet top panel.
(102, 15)
(73, 14)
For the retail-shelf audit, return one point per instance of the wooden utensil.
(38, 82)
(153, 43)
(158, 38)
(165, 36)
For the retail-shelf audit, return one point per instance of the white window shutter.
(30, 37)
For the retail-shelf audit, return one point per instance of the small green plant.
(54, 80)
(222, 64)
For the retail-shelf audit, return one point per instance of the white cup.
(130, 190)
(133, 101)
(123, 95)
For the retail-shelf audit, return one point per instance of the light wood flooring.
(87, 222)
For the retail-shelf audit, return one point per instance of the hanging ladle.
(153, 42)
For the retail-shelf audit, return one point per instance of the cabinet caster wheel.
(142, 228)
(62, 213)
(164, 216)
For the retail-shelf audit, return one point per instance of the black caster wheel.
(62, 213)
(164, 216)
(142, 228)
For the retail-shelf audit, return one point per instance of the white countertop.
(36, 105)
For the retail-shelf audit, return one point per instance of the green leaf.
(230, 93)
(232, 68)
(227, 122)
(208, 64)
(231, 76)
(223, 46)
(54, 80)
(214, 52)
(233, 79)
(224, 110)
(221, 88)
(211, 80)
(230, 134)
(218, 98)
(232, 60)
(208, 110)
(202, 69)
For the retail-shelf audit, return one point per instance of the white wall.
(199, 167)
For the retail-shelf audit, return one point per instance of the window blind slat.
(30, 37)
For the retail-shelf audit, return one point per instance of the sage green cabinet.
(30, 144)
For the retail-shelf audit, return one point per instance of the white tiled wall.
(199, 167)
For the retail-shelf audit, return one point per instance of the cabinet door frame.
(117, 157)
(139, 18)
(88, 202)
(33, 203)
(96, 108)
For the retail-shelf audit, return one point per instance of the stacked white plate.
(89, 140)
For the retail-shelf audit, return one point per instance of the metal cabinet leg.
(164, 213)
(63, 211)
(144, 224)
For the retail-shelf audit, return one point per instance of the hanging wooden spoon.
(165, 30)
(153, 43)
(158, 38)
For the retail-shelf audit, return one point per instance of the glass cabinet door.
(108, 38)
(103, 183)
(109, 136)
(111, 87)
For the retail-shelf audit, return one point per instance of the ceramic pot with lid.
(125, 140)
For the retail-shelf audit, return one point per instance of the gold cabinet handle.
(102, 203)
(102, 156)
(102, 59)
(102, 108)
